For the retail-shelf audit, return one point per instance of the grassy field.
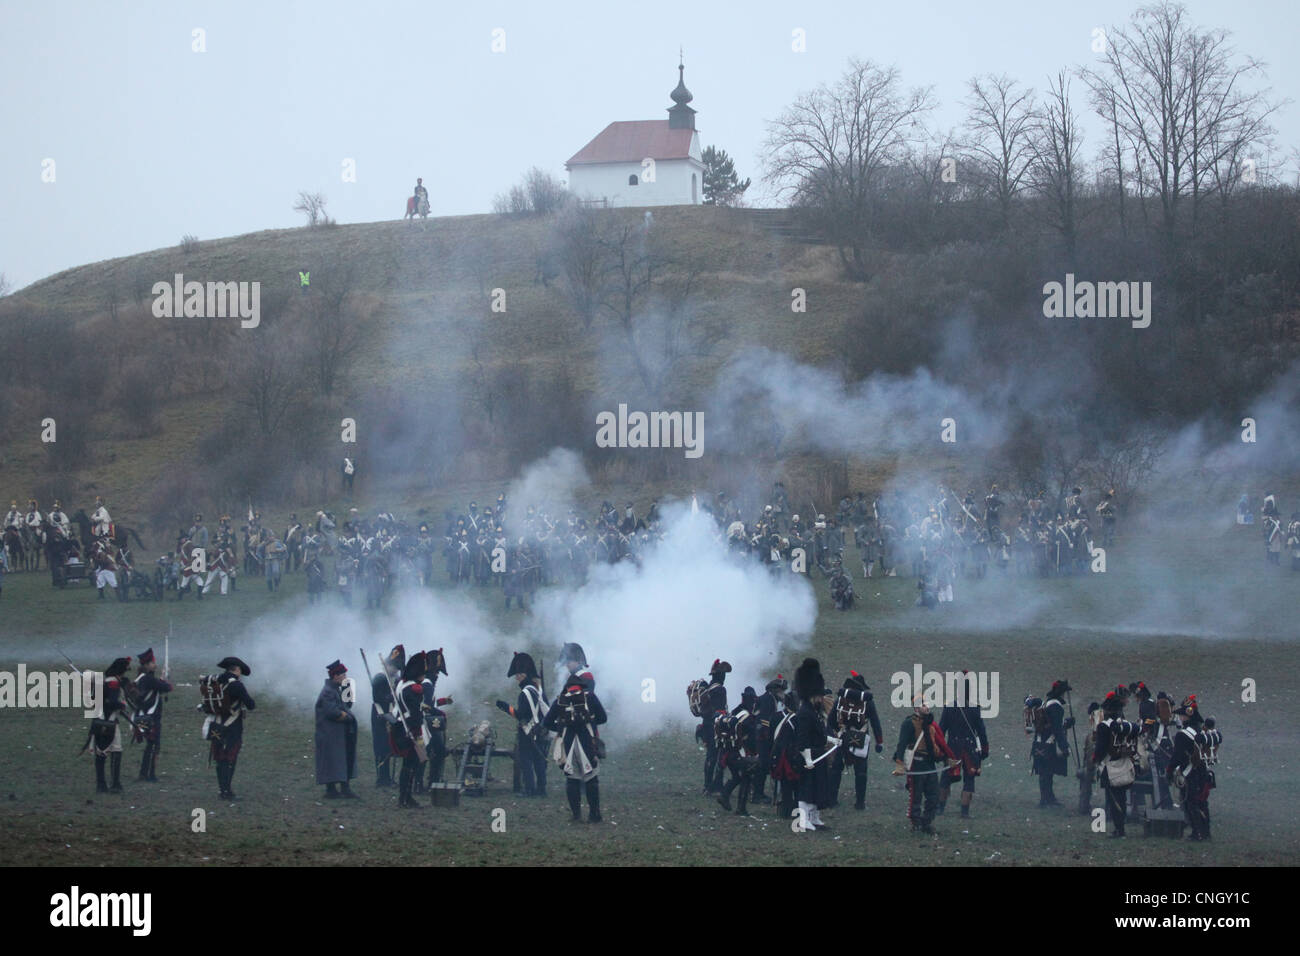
(653, 808)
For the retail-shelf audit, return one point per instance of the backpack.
(214, 699)
(851, 709)
(695, 696)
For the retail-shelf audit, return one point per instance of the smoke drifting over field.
(763, 394)
(289, 652)
(666, 622)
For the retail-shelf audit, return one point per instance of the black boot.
(115, 767)
(593, 800)
(153, 764)
(573, 790)
(860, 792)
(230, 781)
(101, 594)
(345, 792)
(145, 762)
(724, 797)
(742, 799)
(222, 783)
(101, 785)
(383, 774)
(331, 792)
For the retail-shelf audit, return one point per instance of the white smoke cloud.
(549, 483)
(666, 622)
(289, 651)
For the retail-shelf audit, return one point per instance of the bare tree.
(266, 375)
(1055, 171)
(581, 259)
(1000, 120)
(831, 149)
(1177, 102)
(336, 323)
(312, 205)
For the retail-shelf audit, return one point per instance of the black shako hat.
(416, 666)
(397, 657)
(228, 662)
(719, 668)
(522, 664)
(855, 681)
(573, 652)
(435, 663)
(146, 657)
(778, 685)
(336, 668)
(118, 667)
(808, 681)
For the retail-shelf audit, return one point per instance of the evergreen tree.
(722, 187)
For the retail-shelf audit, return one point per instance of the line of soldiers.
(1167, 749)
(804, 737)
(1278, 537)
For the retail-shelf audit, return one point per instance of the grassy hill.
(426, 288)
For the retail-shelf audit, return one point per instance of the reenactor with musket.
(148, 713)
(1045, 720)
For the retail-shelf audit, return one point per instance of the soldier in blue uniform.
(962, 725)
(713, 702)
(148, 713)
(227, 733)
(854, 709)
(1050, 749)
(530, 711)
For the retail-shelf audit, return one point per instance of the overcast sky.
(151, 140)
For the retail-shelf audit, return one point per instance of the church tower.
(681, 116)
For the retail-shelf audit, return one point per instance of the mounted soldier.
(101, 524)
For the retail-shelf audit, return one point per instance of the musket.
(392, 688)
(82, 676)
(1073, 733)
(370, 679)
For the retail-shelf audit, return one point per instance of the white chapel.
(643, 162)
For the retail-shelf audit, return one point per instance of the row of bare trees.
(1186, 122)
